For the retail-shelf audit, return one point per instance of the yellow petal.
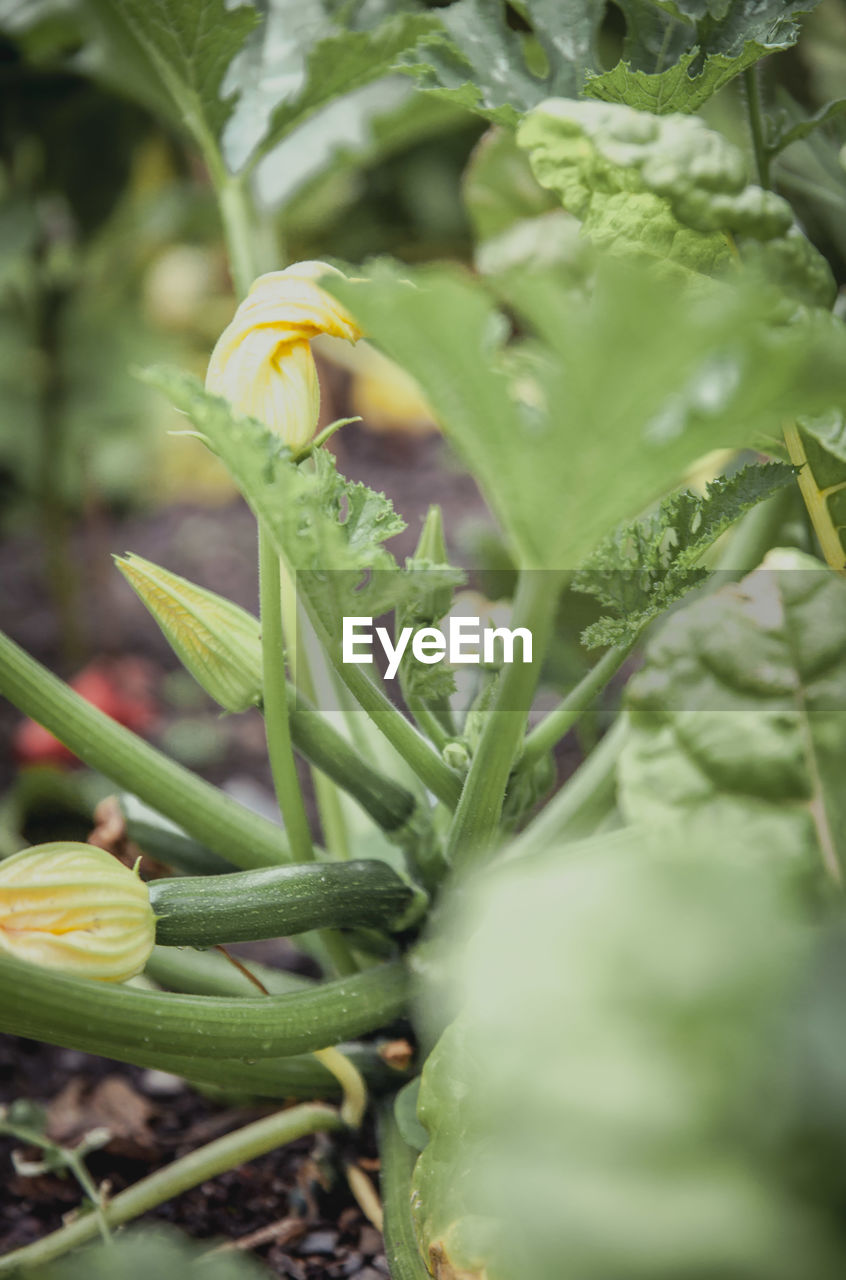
(292, 299)
(74, 907)
(262, 362)
(272, 381)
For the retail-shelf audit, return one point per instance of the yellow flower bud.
(74, 907)
(262, 363)
(217, 641)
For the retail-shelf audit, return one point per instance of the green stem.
(560, 721)
(99, 1017)
(247, 257)
(275, 699)
(223, 825)
(428, 722)
(329, 808)
(332, 821)
(585, 800)
(397, 1166)
(63, 1156)
(789, 180)
(479, 810)
(752, 85)
(165, 842)
(300, 1076)
(401, 734)
(390, 804)
(83, 1177)
(351, 1081)
(210, 973)
(208, 1162)
(240, 230)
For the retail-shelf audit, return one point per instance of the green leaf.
(139, 1253)
(44, 30)
(173, 54)
(647, 565)
(664, 186)
(562, 451)
(737, 717)
(678, 88)
(405, 1114)
(721, 41)
(477, 61)
(675, 56)
(654, 37)
(427, 594)
(329, 530)
(783, 133)
(319, 163)
(792, 264)
(597, 1108)
(668, 189)
(306, 57)
(725, 26)
(568, 36)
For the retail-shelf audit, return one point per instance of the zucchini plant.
(622, 996)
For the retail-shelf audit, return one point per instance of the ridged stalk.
(389, 803)
(223, 825)
(280, 750)
(401, 733)
(559, 722)
(476, 821)
(586, 800)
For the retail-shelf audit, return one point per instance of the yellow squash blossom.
(74, 907)
(262, 363)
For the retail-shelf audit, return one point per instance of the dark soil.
(292, 1207)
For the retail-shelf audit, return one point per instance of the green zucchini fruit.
(120, 1021)
(276, 902)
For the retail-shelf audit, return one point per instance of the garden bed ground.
(292, 1207)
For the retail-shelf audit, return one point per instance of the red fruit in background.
(120, 687)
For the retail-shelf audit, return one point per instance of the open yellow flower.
(74, 907)
(262, 363)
